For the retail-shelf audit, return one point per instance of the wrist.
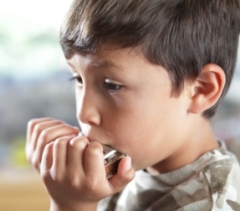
(79, 207)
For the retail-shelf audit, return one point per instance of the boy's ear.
(207, 88)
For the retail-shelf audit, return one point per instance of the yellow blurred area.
(22, 190)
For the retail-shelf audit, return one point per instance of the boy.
(149, 76)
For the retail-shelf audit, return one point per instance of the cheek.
(133, 128)
(141, 129)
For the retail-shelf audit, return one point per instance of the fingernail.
(128, 163)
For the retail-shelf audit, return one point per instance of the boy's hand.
(72, 168)
(44, 131)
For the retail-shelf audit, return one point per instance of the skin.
(125, 102)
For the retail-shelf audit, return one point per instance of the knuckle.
(92, 185)
(48, 148)
(28, 150)
(96, 145)
(94, 152)
(59, 178)
(59, 143)
(28, 155)
(78, 144)
(38, 127)
(126, 178)
(31, 123)
(58, 122)
(34, 121)
(43, 135)
(95, 149)
(35, 161)
(74, 181)
(45, 175)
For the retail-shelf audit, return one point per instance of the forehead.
(109, 56)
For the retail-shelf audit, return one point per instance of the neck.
(195, 145)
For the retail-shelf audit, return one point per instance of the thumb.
(124, 175)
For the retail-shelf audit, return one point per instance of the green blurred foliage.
(17, 155)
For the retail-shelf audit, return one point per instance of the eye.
(112, 86)
(77, 78)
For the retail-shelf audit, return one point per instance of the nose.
(87, 107)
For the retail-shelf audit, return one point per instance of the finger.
(48, 135)
(47, 159)
(124, 175)
(32, 123)
(39, 128)
(60, 157)
(76, 151)
(35, 128)
(94, 162)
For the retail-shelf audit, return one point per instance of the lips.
(89, 136)
(92, 136)
(102, 141)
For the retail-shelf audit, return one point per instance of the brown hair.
(180, 35)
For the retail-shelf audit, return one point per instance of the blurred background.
(34, 82)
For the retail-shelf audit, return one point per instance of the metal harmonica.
(112, 157)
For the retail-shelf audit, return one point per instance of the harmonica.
(112, 157)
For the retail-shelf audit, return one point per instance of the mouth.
(90, 137)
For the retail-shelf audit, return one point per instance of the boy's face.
(125, 102)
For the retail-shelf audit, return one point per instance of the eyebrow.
(102, 64)
(106, 64)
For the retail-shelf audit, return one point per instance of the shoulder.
(223, 176)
